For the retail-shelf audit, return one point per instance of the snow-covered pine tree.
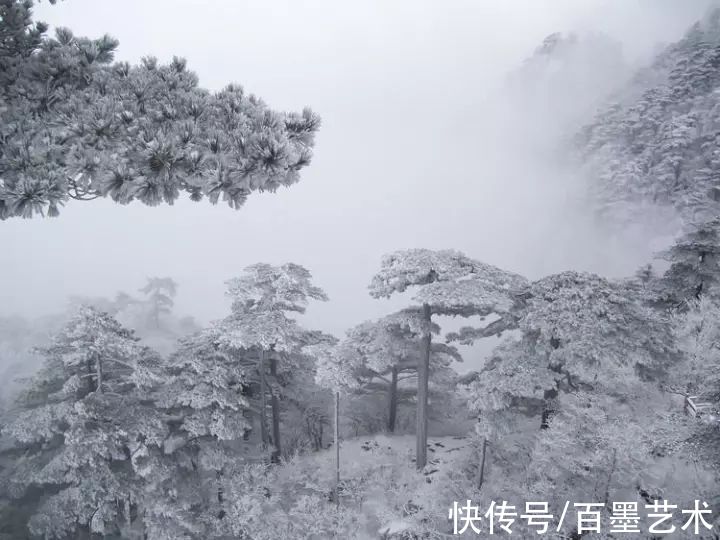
(697, 379)
(260, 329)
(382, 357)
(448, 283)
(697, 329)
(588, 362)
(151, 318)
(160, 292)
(694, 264)
(80, 422)
(306, 404)
(577, 327)
(203, 402)
(18, 336)
(75, 125)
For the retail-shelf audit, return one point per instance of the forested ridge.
(657, 142)
(122, 418)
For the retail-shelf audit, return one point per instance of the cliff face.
(561, 85)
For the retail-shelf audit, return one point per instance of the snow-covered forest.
(492, 311)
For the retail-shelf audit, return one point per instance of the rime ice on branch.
(75, 125)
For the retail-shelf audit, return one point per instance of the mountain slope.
(659, 145)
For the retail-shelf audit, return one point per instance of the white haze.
(411, 152)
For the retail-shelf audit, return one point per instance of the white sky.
(398, 161)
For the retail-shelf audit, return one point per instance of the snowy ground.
(379, 478)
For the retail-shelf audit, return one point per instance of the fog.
(410, 153)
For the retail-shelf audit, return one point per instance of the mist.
(412, 151)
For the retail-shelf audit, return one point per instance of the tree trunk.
(482, 463)
(547, 412)
(337, 449)
(128, 518)
(606, 500)
(99, 373)
(422, 394)
(88, 366)
(220, 495)
(275, 405)
(263, 404)
(548, 409)
(393, 400)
